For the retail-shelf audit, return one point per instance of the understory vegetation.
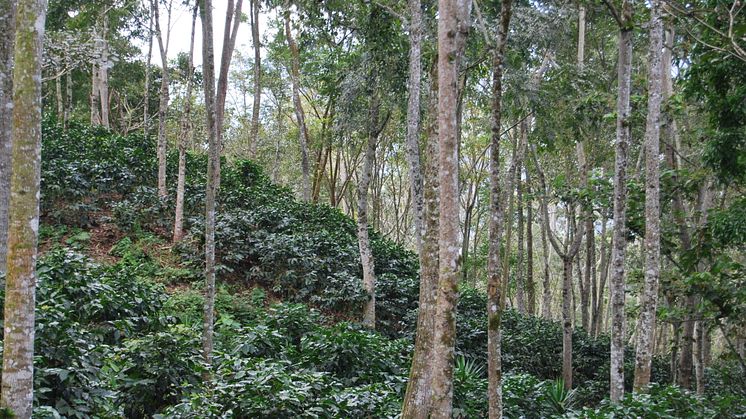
(119, 309)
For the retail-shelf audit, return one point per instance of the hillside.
(119, 309)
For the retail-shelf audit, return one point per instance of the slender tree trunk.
(255, 5)
(546, 300)
(146, 93)
(520, 285)
(213, 173)
(163, 103)
(186, 135)
(646, 335)
(300, 115)
(530, 284)
(699, 356)
(95, 97)
(567, 321)
(230, 32)
(619, 241)
(58, 97)
(598, 308)
(20, 280)
(103, 78)
(413, 118)
(496, 221)
(417, 398)
(366, 255)
(68, 91)
(453, 29)
(7, 20)
(586, 278)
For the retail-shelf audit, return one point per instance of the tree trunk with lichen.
(496, 221)
(366, 254)
(7, 20)
(213, 173)
(184, 137)
(300, 115)
(23, 217)
(648, 305)
(163, 102)
(619, 239)
(453, 29)
(255, 4)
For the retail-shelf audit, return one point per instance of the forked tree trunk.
(646, 326)
(496, 221)
(213, 173)
(20, 280)
(255, 5)
(453, 29)
(185, 136)
(300, 114)
(163, 103)
(619, 240)
(7, 20)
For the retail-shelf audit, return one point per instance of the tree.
(648, 306)
(7, 19)
(213, 174)
(23, 220)
(300, 115)
(496, 221)
(453, 28)
(255, 5)
(623, 18)
(567, 252)
(185, 135)
(163, 100)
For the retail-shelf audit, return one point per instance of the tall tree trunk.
(496, 221)
(453, 29)
(255, 5)
(95, 97)
(699, 356)
(366, 255)
(230, 32)
(567, 320)
(67, 113)
(20, 280)
(417, 397)
(146, 93)
(646, 327)
(300, 115)
(530, 284)
(163, 103)
(587, 278)
(598, 307)
(103, 78)
(413, 118)
(213, 173)
(546, 299)
(185, 136)
(619, 240)
(520, 285)
(7, 20)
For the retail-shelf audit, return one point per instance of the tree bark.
(417, 398)
(530, 284)
(23, 233)
(366, 255)
(496, 221)
(453, 29)
(520, 284)
(213, 173)
(255, 5)
(300, 115)
(186, 135)
(546, 300)
(619, 240)
(163, 102)
(103, 78)
(646, 326)
(598, 307)
(146, 93)
(7, 20)
(413, 118)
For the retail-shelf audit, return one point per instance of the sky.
(181, 27)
